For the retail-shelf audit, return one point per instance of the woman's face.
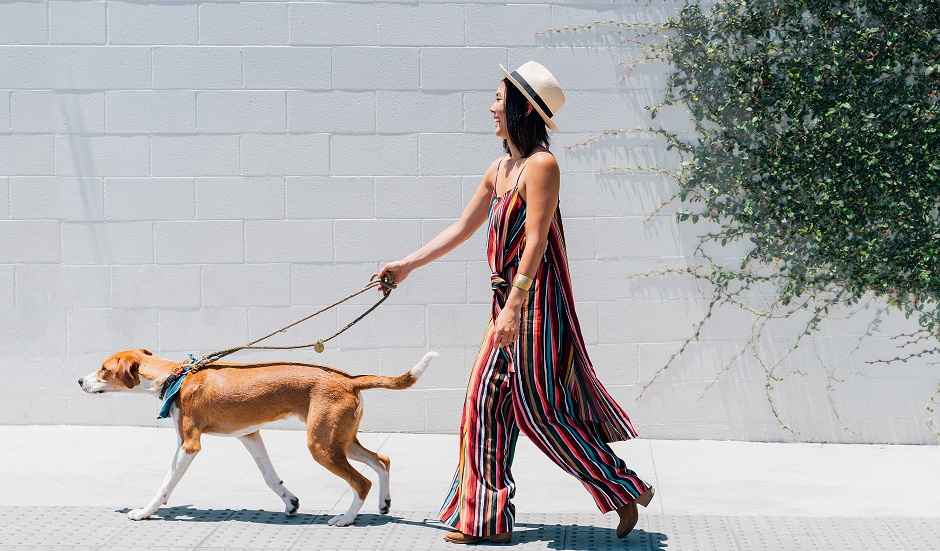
(499, 112)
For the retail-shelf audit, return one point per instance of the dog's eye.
(102, 368)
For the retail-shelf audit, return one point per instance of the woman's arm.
(541, 186)
(473, 216)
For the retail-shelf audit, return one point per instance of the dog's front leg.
(259, 453)
(181, 462)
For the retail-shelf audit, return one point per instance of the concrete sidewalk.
(69, 487)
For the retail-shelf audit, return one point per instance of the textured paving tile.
(185, 529)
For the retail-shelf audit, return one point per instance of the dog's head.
(119, 372)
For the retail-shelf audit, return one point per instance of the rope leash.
(374, 282)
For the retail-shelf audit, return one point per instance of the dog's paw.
(341, 520)
(293, 506)
(138, 514)
(384, 507)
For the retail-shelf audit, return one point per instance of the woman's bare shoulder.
(543, 164)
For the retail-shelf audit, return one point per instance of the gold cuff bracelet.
(522, 282)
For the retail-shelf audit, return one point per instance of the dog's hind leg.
(181, 460)
(380, 464)
(329, 433)
(259, 453)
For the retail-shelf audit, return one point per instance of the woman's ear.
(528, 108)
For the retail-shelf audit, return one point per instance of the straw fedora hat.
(539, 86)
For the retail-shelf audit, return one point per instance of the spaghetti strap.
(515, 187)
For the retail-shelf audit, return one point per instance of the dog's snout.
(81, 382)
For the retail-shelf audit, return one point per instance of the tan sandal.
(629, 514)
(457, 536)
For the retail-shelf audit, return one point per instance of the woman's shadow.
(573, 537)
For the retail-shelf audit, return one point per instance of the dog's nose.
(81, 382)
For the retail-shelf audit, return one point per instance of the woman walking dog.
(532, 372)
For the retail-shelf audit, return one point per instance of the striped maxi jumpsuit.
(543, 384)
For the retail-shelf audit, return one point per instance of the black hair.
(526, 131)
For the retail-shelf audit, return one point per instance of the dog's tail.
(365, 382)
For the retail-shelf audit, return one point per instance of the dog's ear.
(147, 352)
(127, 371)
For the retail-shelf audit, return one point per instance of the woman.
(532, 372)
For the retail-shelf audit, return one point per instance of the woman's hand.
(395, 272)
(506, 328)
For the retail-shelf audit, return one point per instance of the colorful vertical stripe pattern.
(543, 385)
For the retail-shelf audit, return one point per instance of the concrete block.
(34, 335)
(597, 111)
(386, 68)
(444, 408)
(476, 108)
(406, 407)
(160, 23)
(24, 23)
(75, 68)
(317, 23)
(264, 320)
(26, 155)
(203, 330)
(508, 25)
(51, 197)
(243, 23)
(436, 153)
(246, 285)
(142, 112)
(239, 198)
(634, 236)
(388, 154)
(78, 22)
(436, 283)
(199, 68)
(375, 240)
(420, 24)
(471, 249)
(7, 286)
(285, 154)
(479, 290)
(149, 198)
(294, 68)
(426, 111)
(199, 242)
(62, 286)
(609, 195)
(330, 197)
(107, 243)
(104, 331)
(579, 238)
(479, 68)
(24, 241)
(156, 286)
(448, 370)
(457, 324)
(241, 111)
(418, 197)
(376, 329)
(4, 198)
(60, 112)
(331, 112)
(615, 364)
(201, 155)
(288, 241)
(589, 320)
(102, 155)
(321, 284)
(6, 119)
(579, 68)
(642, 321)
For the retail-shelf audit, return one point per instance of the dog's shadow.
(573, 537)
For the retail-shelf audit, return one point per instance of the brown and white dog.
(237, 399)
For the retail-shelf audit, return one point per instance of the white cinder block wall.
(185, 176)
